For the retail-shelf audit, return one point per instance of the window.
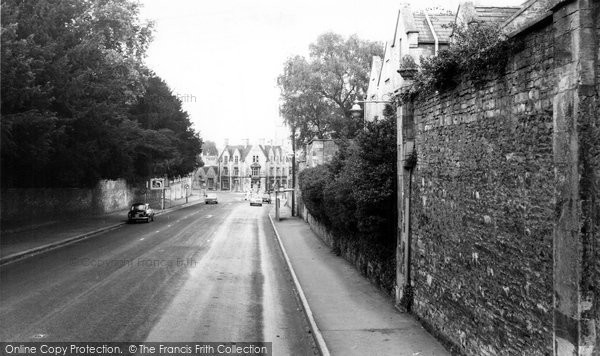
(225, 171)
(225, 158)
(290, 171)
(236, 171)
(235, 159)
(271, 171)
(255, 171)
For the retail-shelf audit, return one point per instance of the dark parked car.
(140, 212)
(266, 198)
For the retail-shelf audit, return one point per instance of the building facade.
(262, 167)
(206, 177)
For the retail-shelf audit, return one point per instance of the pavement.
(349, 315)
(32, 239)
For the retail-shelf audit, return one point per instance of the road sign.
(157, 183)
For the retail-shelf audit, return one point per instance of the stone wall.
(377, 270)
(482, 208)
(24, 206)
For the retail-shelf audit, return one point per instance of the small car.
(140, 212)
(266, 198)
(211, 198)
(256, 200)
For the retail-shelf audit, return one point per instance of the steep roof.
(494, 14)
(209, 149)
(438, 22)
(266, 148)
(207, 168)
(440, 25)
(468, 13)
(230, 149)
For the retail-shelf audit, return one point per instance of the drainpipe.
(435, 37)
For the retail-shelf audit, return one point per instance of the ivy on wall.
(476, 52)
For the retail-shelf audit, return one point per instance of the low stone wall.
(380, 272)
(21, 206)
(43, 203)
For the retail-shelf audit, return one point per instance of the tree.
(168, 146)
(317, 93)
(71, 73)
(70, 70)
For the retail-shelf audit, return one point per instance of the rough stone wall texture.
(43, 204)
(379, 271)
(595, 160)
(482, 208)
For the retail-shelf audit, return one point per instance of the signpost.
(159, 184)
(277, 204)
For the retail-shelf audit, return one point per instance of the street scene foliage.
(75, 97)
(354, 196)
(317, 92)
(476, 52)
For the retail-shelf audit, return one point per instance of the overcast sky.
(223, 57)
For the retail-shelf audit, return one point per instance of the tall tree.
(168, 145)
(317, 93)
(71, 72)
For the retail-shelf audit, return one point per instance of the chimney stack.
(226, 142)
(247, 142)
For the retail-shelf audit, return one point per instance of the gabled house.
(416, 34)
(207, 175)
(248, 167)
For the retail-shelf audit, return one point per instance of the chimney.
(226, 142)
(247, 142)
(261, 142)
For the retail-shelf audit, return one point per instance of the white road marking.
(142, 239)
(209, 216)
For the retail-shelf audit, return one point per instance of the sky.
(222, 58)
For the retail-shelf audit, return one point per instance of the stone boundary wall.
(482, 208)
(44, 204)
(375, 271)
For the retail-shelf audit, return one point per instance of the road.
(201, 273)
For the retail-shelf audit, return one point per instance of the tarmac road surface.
(202, 273)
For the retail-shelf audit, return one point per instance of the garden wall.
(379, 271)
(483, 207)
(24, 206)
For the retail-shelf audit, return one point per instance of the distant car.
(211, 198)
(256, 200)
(140, 212)
(266, 198)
